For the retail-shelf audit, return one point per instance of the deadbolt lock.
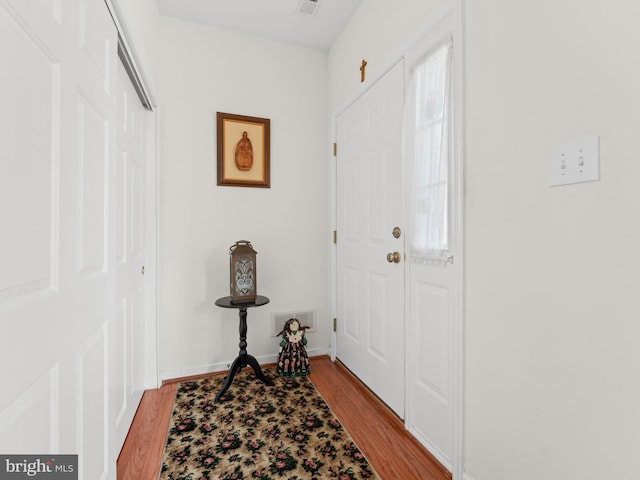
(396, 232)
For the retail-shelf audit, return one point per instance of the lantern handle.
(240, 242)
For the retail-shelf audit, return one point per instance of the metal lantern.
(242, 267)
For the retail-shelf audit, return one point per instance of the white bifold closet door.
(72, 235)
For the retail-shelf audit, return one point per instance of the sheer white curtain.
(427, 134)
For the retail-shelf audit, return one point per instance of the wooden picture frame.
(243, 150)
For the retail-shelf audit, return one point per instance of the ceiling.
(274, 19)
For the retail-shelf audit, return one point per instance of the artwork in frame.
(243, 150)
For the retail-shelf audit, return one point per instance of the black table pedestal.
(243, 359)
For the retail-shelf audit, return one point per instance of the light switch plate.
(575, 162)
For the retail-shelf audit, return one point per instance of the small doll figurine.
(292, 357)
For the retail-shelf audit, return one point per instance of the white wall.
(203, 70)
(379, 32)
(551, 316)
(552, 323)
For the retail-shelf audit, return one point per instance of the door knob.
(393, 257)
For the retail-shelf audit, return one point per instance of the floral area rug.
(258, 432)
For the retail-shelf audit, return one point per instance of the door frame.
(458, 22)
(456, 11)
(152, 378)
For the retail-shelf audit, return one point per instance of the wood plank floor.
(393, 452)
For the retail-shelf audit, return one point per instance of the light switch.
(575, 162)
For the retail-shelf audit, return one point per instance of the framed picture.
(243, 150)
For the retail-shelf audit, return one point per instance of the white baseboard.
(222, 367)
(466, 476)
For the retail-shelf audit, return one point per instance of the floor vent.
(308, 7)
(306, 318)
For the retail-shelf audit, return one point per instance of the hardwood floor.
(142, 450)
(392, 451)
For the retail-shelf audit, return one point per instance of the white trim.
(333, 222)
(159, 246)
(222, 367)
(458, 327)
(152, 345)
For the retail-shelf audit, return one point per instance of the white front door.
(370, 291)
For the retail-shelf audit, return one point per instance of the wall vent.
(308, 7)
(306, 318)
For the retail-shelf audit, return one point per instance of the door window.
(428, 131)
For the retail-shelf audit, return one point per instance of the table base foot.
(237, 365)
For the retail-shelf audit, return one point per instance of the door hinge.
(335, 325)
(335, 149)
(335, 236)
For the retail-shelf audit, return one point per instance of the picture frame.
(243, 150)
